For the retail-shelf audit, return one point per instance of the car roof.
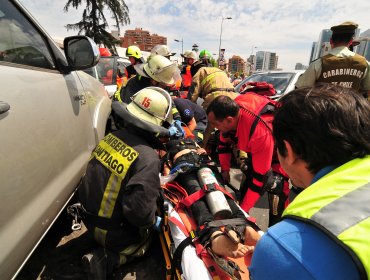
(277, 71)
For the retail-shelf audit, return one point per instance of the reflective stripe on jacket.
(121, 187)
(116, 156)
(338, 204)
(209, 80)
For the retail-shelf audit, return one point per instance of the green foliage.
(94, 23)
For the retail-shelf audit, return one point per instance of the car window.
(105, 70)
(20, 42)
(280, 81)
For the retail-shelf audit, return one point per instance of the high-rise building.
(322, 45)
(364, 47)
(273, 61)
(313, 48)
(365, 34)
(237, 64)
(251, 64)
(266, 61)
(300, 66)
(142, 38)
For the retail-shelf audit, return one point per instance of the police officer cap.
(345, 28)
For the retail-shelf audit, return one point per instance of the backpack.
(261, 88)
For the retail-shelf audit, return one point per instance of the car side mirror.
(81, 52)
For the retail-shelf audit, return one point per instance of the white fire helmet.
(160, 69)
(161, 50)
(152, 104)
(190, 54)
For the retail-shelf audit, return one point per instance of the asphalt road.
(59, 255)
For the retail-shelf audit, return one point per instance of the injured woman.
(219, 226)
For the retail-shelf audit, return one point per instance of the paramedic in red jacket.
(246, 122)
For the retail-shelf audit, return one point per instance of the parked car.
(51, 117)
(283, 81)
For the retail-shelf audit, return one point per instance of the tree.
(94, 23)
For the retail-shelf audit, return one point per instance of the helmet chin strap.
(121, 110)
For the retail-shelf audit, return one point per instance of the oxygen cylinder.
(216, 200)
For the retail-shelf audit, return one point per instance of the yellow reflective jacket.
(210, 82)
(338, 204)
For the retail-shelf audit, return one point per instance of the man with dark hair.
(246, 123)
(323, 143)
(340, 66)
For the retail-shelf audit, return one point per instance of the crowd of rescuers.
(257, 156)
(269, 139)
(322, 233)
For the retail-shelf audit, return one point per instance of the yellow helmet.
(151, 104)
(134, 51)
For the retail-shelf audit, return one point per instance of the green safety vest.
(339, 204)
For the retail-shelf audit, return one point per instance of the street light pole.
(253, 47)
(219, 47)
(182, 47)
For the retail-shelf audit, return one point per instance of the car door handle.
(4, 107)
(80, 98)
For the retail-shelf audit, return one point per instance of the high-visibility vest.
(339, 205)
(186, 77)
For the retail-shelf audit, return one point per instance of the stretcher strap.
(225, 222)
(186, 226)
(177, 256)
(174, 192)
(189, 200)
(179, 224)
(233, 222)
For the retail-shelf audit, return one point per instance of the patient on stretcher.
(236, 237)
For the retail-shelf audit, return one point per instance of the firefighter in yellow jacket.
(121, 185)
(208, 83)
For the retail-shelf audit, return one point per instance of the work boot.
(98, 264)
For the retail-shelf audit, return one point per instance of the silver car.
(283, 81)
(51, 117)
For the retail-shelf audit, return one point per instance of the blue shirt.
(293, 249)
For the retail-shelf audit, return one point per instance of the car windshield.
(280, 81)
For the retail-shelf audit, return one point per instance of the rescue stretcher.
(194, 263)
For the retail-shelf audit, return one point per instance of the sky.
(286, 27)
